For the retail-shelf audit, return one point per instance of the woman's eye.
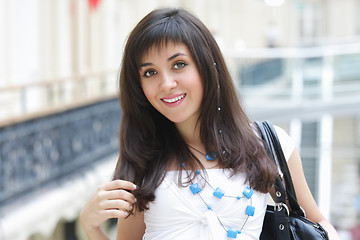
(149, 73)
(179, 65)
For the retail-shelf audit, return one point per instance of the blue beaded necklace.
(208, 156)
(220, 193)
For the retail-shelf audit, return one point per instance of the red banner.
(93, 4)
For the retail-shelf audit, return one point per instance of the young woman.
(191, 164)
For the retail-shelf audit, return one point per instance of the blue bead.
(239, 232)
(210, 156)
(238, 197)
(209, 207)
(248, 192)
(250, 210)
(231, 233)
(198, 172)
(195, 188)
(183, 164)
(219, 193)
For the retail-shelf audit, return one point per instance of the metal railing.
(50, 149)
(24, 101)
(306, 80)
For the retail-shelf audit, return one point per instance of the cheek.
(145, 88)
(149, 94)
(198, 86)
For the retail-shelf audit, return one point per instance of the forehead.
(164, 50)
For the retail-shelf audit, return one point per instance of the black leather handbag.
(286, 219)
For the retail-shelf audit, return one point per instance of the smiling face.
(171, 82)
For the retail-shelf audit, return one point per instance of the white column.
(297, 80)
(47, 50)
(25, 66)
(95, 33)
(82, 36)
(80, 45)
(3, 41)
(108, 33)
(327, 80)
(325, 164)
(62, 48)
(295, 132)
(6, 98)
(62, 38)
(111, 46)
(326, 139)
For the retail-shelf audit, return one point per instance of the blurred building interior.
(294, 62)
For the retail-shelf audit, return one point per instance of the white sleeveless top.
(178, 214)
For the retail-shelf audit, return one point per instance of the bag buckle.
(303, 211)
(279, 206)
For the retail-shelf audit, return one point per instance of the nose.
(168, 82)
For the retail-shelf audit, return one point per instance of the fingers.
(119, 184)
(117, 189)
(114, 196)
(111, 200)
(117, 204)
(120, 194)
(114, 213)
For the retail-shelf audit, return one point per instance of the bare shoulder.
(131, 228)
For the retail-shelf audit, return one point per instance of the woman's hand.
(111, 200)
(305, 197)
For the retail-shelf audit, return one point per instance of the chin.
(177, 119)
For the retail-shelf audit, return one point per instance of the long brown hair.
(149, 142)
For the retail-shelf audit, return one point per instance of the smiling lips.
(174, 99)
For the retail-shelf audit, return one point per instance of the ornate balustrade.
(53, 148)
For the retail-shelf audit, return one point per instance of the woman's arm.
(111, 200)
(131, 228)
(305, 197)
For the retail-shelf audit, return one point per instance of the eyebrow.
(176, 55)
(169, 59)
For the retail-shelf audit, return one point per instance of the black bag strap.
(277, 155)
(279, 184)
(281, 211)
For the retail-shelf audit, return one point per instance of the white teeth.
(175, 99)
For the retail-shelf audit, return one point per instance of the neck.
(190, 133)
